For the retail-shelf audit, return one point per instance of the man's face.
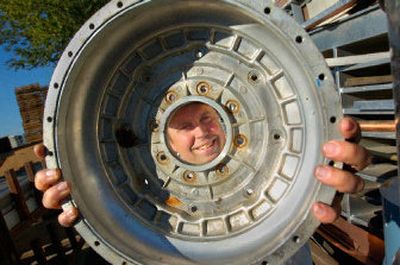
(195, 133)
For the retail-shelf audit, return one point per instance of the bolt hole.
(55, 85)
(49, 119)
(96, 243)
(299, 39)
(296, 239)
(193, 209)
(70, 54)
(267, 10)
(203, 89)
(240, 141)
(125, 137)
(332, 119)
(264, 263)
(124, 263)
(120, 4)
(50, 153)
(163, 157)
(277, 136)
(331, 163)
(91, 26)
(321, 77)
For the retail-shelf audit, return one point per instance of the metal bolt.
(233, 106)
(249, 191)
(203, 88)
(171, 97)
(189, 176)
(240, 141)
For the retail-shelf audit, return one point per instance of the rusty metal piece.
(203, 88)
(377, 126)
(355, 241)
(173, 201)
(222, 170)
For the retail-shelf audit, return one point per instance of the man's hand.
(55, 191)
(350, 153)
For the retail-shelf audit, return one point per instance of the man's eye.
(186, 127)
(206, 119)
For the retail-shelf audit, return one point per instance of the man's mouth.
(207, 145)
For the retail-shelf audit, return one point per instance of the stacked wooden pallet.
(31, 100)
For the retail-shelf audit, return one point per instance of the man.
(195, 133)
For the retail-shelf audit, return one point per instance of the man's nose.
(201, 131)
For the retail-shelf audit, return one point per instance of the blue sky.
(10, 118)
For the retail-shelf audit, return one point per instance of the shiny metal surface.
(123, 70)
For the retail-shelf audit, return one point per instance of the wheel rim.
(124, 70)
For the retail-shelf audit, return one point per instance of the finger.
(68, 217)
(324, 213)
(54, 196)
(352, 154)
(350, 129)
(341, 180)
(39, 150)
(46, 178)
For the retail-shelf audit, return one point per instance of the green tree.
(37, 31)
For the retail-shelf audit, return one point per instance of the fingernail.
(331, 149)
(70, 213)
(318, 210)
(349, 125)
(321, 172)
(51, 174)
(62, 186)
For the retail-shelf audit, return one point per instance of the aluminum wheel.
(132, 65)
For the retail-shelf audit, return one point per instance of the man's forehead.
(191, 109)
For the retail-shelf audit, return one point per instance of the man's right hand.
(55, 191)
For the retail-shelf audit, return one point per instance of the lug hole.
(267, 10)
(125, 137)
(299, 39)
(332, 119)
(162, 158)
(120, 4)
(321, 77)
(240, 141)
(203, 88)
